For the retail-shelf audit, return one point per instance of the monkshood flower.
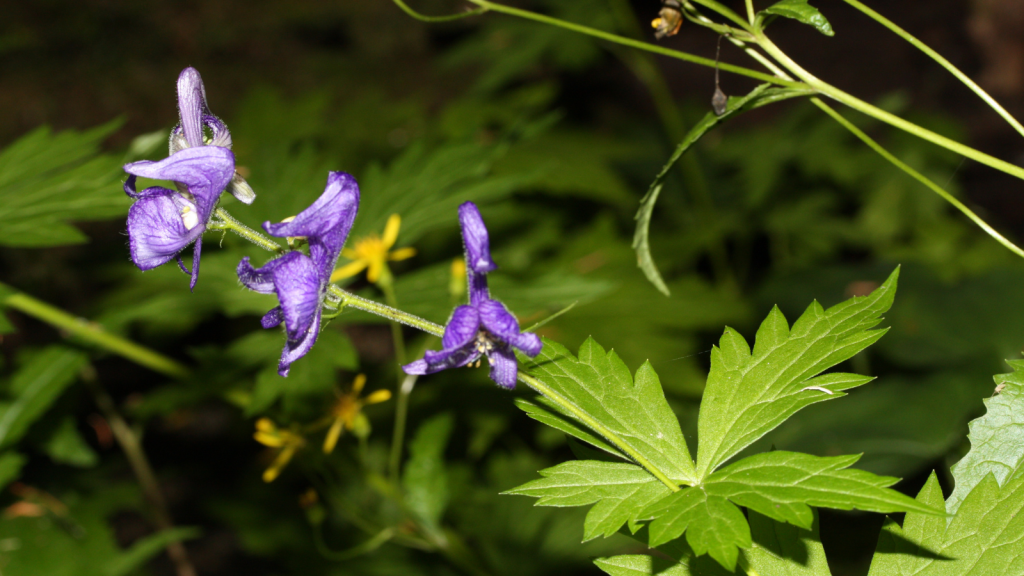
(301, 281)
(485, 326)
(162, 222)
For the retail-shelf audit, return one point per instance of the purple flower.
(485, 326)
(301, 281)
(163, 222)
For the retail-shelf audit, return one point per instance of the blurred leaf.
(996, 439)
(47, 180)
(748, 395)
(803, 12)
(10, 467)
(146, 548)
(983, 537)
(600, 385)
(619, 491)
(424, 479)
(66, 446)
(35, 387)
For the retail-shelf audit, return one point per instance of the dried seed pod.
(669, 20)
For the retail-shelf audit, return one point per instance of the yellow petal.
(272, 440)
(378, 397)
(357, 386)
(402, 254)
(332, 436)
(350, 269)
(376, 267)
(350, 253)
(266, 425)
(278, 464)
(391, 231)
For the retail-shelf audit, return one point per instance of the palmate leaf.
(983, 538)
(997, 438)
(49, 179)
(801, 11)
(777, 549)
(598, 384)
(712, 524)
(750, 393)
(620, 492)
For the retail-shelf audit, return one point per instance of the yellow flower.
(347, 413)
(457, 280)
(287, 441)
(373, 253)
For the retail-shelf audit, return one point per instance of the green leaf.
(778, 549)
(546, 412)
(784, 485)
(10, 467)
(759, 96)
(66, 446)
(996, 438)
(425, 480)
(619, 492)
(983, 538)
(36, 386)
(712, 524)
(49, 179)
(636, 413)
(801, 11)
(146, 548)
(750, 393)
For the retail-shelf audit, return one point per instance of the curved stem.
(94, 334)
(398, 435)
(634, 43)
(228, 222)
(941, 61)
(349, 299)
(424, 18)
(918, 176)
(875, 112)
(587, 419)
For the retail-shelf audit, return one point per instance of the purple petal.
(497, 320)
(156, 230)
(295, 349)
(438, 360)
(191, 105)
(196, 251)
(417, 368)
(205, 171)
(462, 328)
(326, 223)
(504, 368)
(261, 280)
(528, 342)
(475, 239)
(272, 318)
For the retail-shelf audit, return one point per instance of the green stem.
(228, 222)
(941, 61)
(424, 18)
(875, 112)
(358, 550)
(635, 43)
(132, 447)
(94, 334)
(589, 420)
(918, 176)
(396, 329)
(750, 11)
(398, 435)
(349, 299)
(722, 10)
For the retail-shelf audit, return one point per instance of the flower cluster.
(163, 222)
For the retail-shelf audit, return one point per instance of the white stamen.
(189, 217)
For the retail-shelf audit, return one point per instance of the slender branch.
(634, 43)
(587, 419)
(228, 222)
(424, 18)
(941, 61)
(349, 299)
(918, 176)
(398, 436)
(875, 112)
(94, 334)
(143, 471)
(726, 12)
(750, 11)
